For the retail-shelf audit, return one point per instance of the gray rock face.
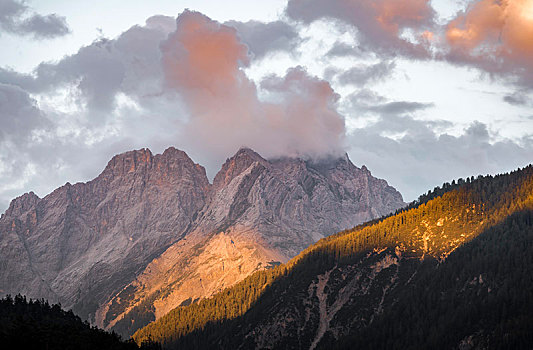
(293, 203)
(84, 242)
(150, 232)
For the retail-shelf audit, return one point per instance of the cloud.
(264, 38)
(493, 36)
(399, 107)
(204, 55)
(304, 118)
(496, 37)
(341, 49)
(203, 62)
(16, 18)
(364, 73)
(368, 101)
(381, 24)
(19, 115)
(422, 159)
(518, 98)
(170, 82)
(94, 75)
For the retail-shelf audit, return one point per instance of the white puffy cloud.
(203, 62)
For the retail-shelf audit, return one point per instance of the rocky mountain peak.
(326, 164)
(173, 154)
(22, 204)
(151, 230)
(174, 164)
(129, 162)
(170, 166)
(236, 165)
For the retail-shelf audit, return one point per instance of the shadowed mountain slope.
(35, 324)
(151, 233)
(451, 271)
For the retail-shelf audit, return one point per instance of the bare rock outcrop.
(151, 233)
(82, 243)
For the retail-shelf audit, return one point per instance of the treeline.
(465, 208)
(433, 226)
(35, 324)
(481, 297)
(227, 304)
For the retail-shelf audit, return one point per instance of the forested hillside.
(451, 269)
(151, 233)
(35, 324)
(482, 295)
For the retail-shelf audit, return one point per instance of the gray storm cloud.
(264, 38)
(16, 18)
(380, 23)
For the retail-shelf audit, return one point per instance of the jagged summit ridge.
(236, 165)
(151, 229)
(172, 159)
(22, 203)
(172, 162)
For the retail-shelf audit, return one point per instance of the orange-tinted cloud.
(393, 15)
(304, 118)
(208, 55)
(496, 36)
(203, 61)
(380, 23)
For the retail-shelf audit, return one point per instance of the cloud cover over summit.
(207, 86)
(204, 60)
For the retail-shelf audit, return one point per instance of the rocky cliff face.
(260, 213)
(82, 243)
(150, 233)
(451, 271)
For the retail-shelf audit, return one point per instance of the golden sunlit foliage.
(432, 227)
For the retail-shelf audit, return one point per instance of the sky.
(421, 92)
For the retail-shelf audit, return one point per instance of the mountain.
(151, 233)
(83, 242)
(451, 271)
(260, 213)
